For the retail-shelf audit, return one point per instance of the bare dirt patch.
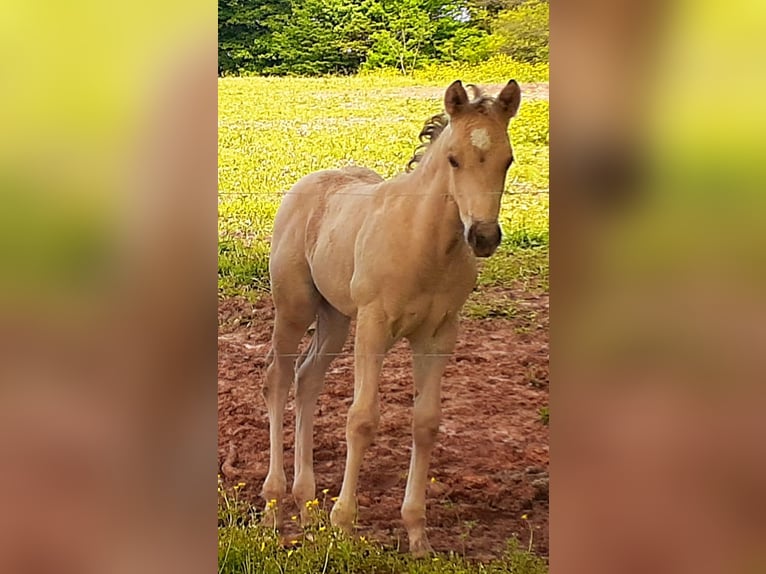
(491, 461)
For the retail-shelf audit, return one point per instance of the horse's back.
(307, 199)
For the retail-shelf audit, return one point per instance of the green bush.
(497, 69)
(522, 32)
(318, 37)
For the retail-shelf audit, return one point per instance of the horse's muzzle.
(484, 237)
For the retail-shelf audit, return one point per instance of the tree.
(417, 31)
(244, 33)
(522, 31)
(312, 37)
(403, 37)
(322, 37)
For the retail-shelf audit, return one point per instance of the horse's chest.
(420, 303)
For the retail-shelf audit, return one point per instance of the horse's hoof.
(420, 547)
(271, 518)
(342, 519)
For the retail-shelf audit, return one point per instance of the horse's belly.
(332, 267)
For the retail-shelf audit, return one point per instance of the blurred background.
(657, 287)
(107, 286)
(108, 291)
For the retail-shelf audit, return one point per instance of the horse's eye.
(452, 161)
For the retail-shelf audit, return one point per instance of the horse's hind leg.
(296, 309)
(329, 337)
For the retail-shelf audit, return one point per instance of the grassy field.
(272, 131)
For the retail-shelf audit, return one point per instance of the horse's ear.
(509, 99)
(455, 99)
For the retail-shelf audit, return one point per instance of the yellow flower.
(293, 517)
(334, 498)
(240, 484)
(433, 480)
(293, 542)
(325, 491)
(523, 516)
(322, 528)
(363, 539)
(271, 504)
(263, 546)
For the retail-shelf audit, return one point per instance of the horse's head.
(477, 153)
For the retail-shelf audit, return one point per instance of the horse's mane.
(435, 125)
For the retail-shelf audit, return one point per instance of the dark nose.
(484, 237)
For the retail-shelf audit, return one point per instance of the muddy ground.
(490, 464)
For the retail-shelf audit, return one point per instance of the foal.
(399, 256)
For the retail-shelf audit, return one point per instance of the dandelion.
(293, 517)
(433, 480)
(263, 545)
(334, 498)
(240, 484)
(363, 539)
(325, 491)
(293, 542)
(523, 516)
(271, 504)
(322, 528)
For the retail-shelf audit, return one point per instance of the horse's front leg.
(430, 355)
(372, 341)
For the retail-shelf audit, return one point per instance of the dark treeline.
(312, 37)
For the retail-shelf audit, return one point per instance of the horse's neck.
(436, 213)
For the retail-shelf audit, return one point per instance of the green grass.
(246, 547)
(272, 131)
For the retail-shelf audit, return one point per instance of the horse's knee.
(362, 424)
(425, 429)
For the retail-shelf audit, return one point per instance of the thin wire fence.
(484, 352)
(412, 194)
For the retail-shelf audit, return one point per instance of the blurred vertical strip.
(107, 286)
(658, 332)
